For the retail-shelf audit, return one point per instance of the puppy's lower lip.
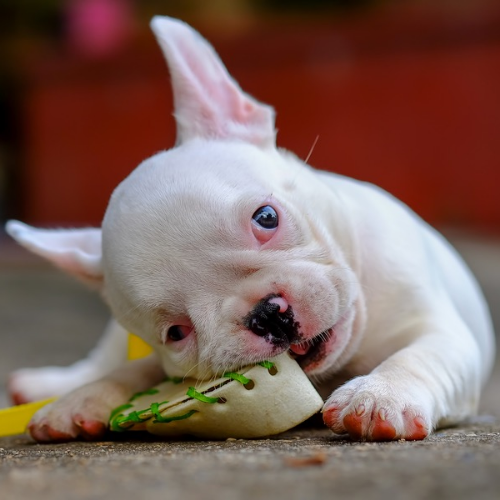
(300, 349)
(307, 352)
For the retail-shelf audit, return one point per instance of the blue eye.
(266, 217)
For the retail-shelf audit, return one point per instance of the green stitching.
(116, 423)
(237, 376)
(149, 392)
(133, 417)
(119, 410)
(165, 420)
(266, 364)
(193, 393)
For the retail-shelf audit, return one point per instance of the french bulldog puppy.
(226, 250)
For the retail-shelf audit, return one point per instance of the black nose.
(266, 320)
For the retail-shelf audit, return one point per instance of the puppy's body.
(225, 251)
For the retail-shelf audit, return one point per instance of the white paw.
(35, 384)
(376, 409)
(82, 414)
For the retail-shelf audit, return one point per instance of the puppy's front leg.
(434, 381)
(84, 413)
(34, 384)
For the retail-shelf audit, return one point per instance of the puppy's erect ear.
(208, 101)
(76, 251)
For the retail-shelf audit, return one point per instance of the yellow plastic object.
(137, 348)
(14, 420)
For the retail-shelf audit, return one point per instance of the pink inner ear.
(76, 251)
(208, 102)
(79, 264)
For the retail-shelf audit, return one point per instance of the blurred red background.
(405, 95)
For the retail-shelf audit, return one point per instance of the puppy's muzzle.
(268, 320)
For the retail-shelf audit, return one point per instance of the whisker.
(312, 149)
(194, 367)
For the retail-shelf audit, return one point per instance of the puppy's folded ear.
(76, 251)
(208, 101)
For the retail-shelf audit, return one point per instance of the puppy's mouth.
(310, 353)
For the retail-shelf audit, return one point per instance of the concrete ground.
(47, 318)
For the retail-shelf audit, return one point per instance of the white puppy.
(225, 251)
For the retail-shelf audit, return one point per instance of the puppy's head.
(223, 250)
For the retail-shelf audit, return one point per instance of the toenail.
(419, 422)
(360, 410)
(382, 414)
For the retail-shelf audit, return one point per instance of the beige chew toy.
(256, 401)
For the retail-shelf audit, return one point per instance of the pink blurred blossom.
(99, 28)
